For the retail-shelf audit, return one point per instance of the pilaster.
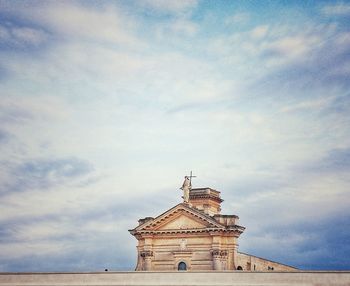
(219, 259)
(147, 256)
(216, 259)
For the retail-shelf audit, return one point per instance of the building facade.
(193, 235)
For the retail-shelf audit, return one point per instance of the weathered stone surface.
(178, 278)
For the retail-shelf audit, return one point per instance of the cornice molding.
(237, 230)
(205, 196)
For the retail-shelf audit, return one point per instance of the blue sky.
(105, 106)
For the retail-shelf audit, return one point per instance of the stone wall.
(195, 250)
(253, 263)
(177, 278)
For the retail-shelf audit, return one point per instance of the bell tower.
(207, 200)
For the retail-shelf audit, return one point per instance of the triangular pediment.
(180, 217)
(182, 221)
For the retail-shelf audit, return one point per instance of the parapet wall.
(177, 278)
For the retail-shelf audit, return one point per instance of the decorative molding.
(182, 253)
(237, 230)
(205, 196)
(146, 253)
(217, 253)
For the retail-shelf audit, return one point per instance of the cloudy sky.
(105, 106)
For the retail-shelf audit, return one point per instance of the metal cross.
(190, 176)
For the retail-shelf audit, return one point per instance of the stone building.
(193, 235)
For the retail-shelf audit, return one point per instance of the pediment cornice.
(237, 230)
(211, 225)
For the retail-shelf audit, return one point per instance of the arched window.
(182, 266)
(239, 268)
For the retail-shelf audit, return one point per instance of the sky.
(106, 106)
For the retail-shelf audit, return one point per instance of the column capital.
(215, 252)
(219, 253)
(146, 253)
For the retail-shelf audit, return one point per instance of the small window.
(239, 268)
(182, 266)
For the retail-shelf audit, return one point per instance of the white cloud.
(342, 70)
(15, 250)
(237, 18)
(343, 39)
(74, 22)
(267, 48)
(20, 37)
(184, 27)
(291, 48)
(305, 200)
(29, 35)
(36, 108)
(4, 33)
(339, 9)
(181, 30)
(170, 6)
(314, 104)
(259, 32)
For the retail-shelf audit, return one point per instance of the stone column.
(147, 256)
(216, 259)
